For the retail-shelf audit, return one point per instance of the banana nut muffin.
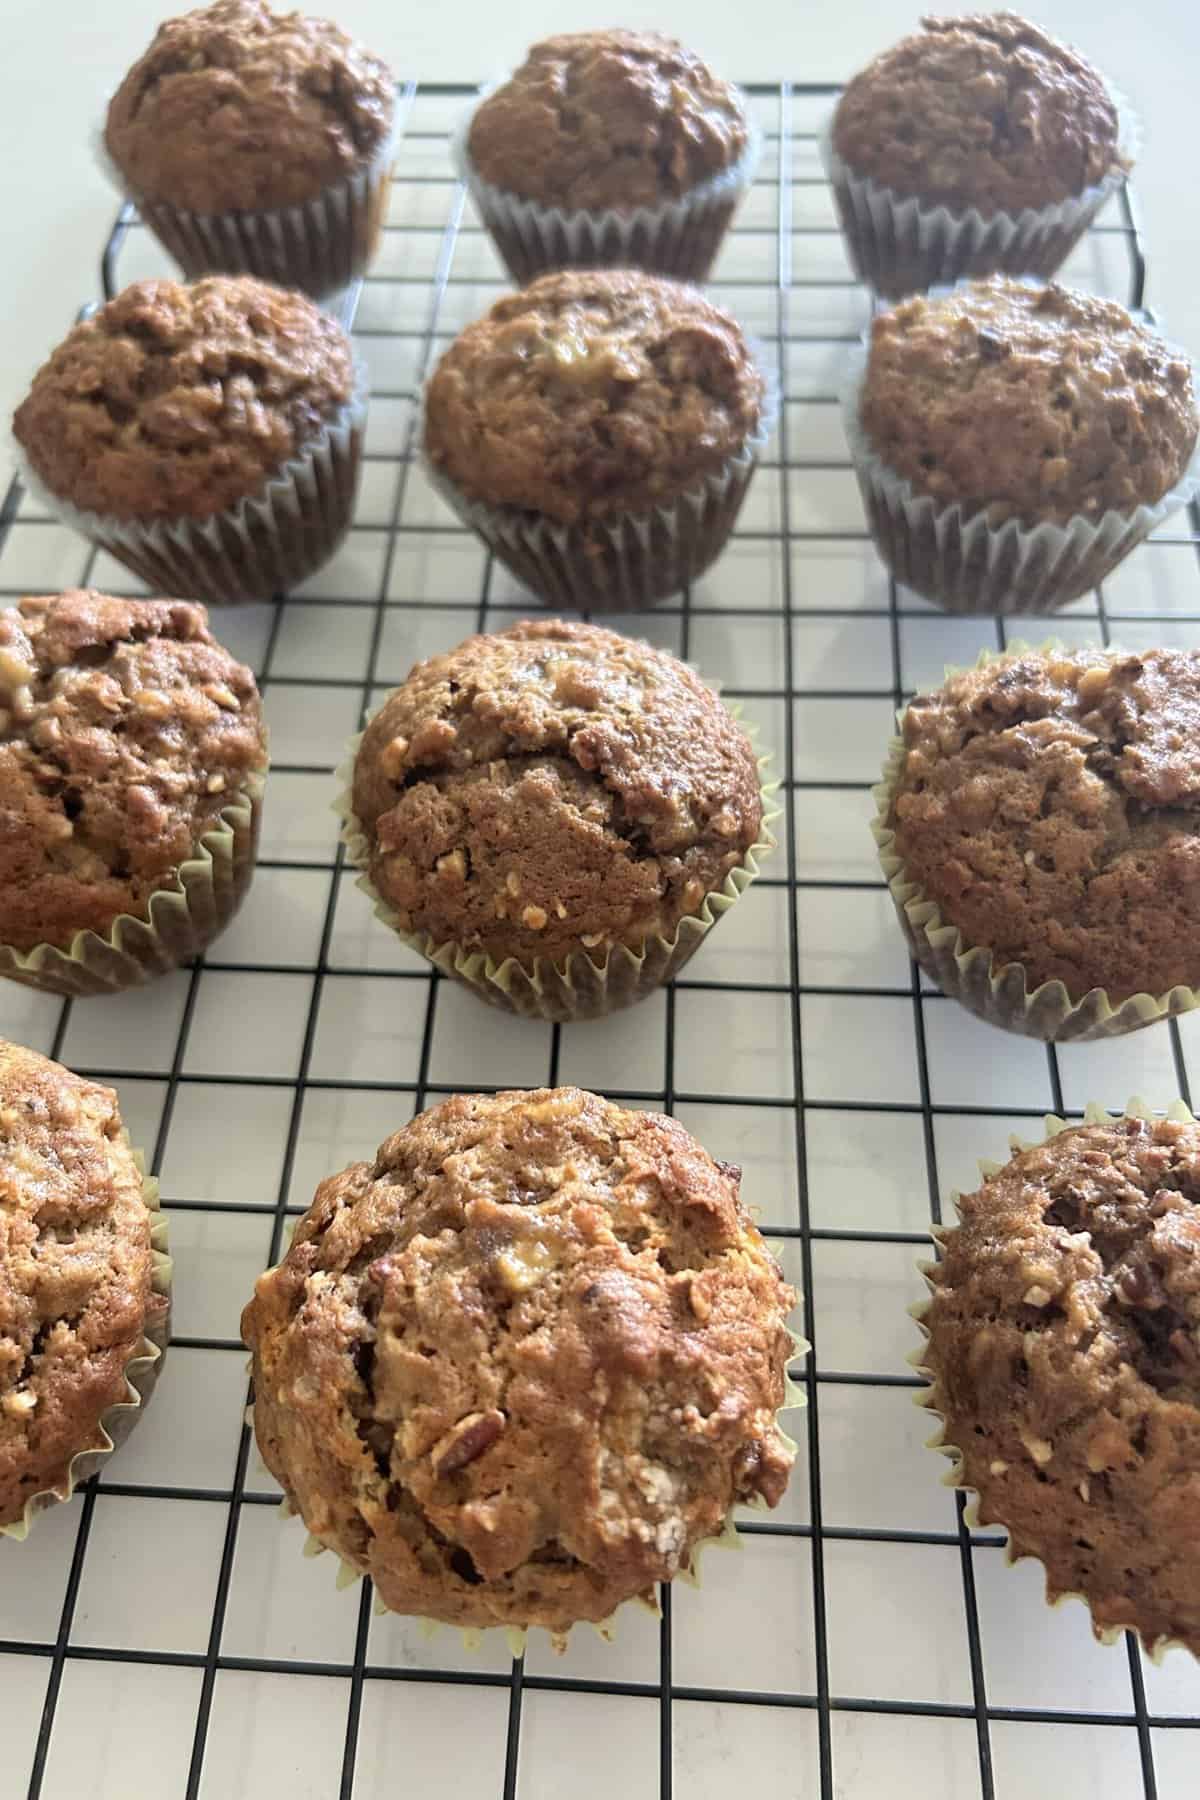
(1028, 402)
(235, 107)
(76, 1300)
(1063, 1330)
(592, 393)
(550, 788)
(520, 1365)
(599, 119)
(983, 111)
(125, 730)
(179, 401)
(1050, 805)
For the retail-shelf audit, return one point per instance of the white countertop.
(60, 61)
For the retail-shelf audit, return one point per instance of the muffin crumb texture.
(234, 108)
(519, 1366)
(75, 1271)
(591, 393)
(550, 788)
(1063, 1331)
(604, 119)
(1050, 805)
(1028, 402)
(982, 111)
(125, 728)
(179, 401)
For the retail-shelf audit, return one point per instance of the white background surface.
(896, 1618)
(61, 57)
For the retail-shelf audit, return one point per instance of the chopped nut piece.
(1038, 1448)
(391, 758)
(512, 882)
(1037, 1296)
(535, 918)
(150, 701)
(223, 696)
(998, 1466)
(215, 784)
(467, 1442)
(453, 865)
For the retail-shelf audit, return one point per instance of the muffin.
(257, 143)
(132, 762)
(1062, 1333)
(1014, 442)
(84, 1286)
(520, 1366)
(1039, 826)
(977, 145)
(608, 149)
(598, 431)
(554, 814)
(208, 436)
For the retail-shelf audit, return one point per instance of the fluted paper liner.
(516, 1636)
(930, 1399)
(899, 245)
(678, 237)
(265, 544)
(184, 916)
(628, 561)
(141, 1374)
(970, 973)
(576, 987)
(966, 564)
(320, 245)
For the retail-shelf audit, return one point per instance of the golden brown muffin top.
(518, 1367)
(75, 1271)
(599, 119)
(234, 108)
(178, 401)
(1050, 804)
(983, 111)
(125, 728)
(1063, 1333)
(552, 787)
(592, 392)
(1028, 402)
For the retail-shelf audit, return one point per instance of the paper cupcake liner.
(679, 237)
(898, 245)
(968, 565)
(183, 918)
(975, 1512)
(624, 563)
(320, 246)
(995, 991)
(516, 1636)
(141, 1374)
(262, 546)
(577, 987)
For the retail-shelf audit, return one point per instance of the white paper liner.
(183, 918)
(964, 563)
(927, 1398)
(627, 562)
(576, 987)
(995, 991)
(319, 246)
(679, 237)
(899, 246)
(141, 1374)
(262, 546)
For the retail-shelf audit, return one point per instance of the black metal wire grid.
(777, 246)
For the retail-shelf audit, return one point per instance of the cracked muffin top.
(181, 400)
(599, 119)
(1064, 1347)
(125, 729)
(983, 111)
(517, 1367)
(1027, 402)
(1050, 804)
(592, 392)
(75, 1271)
(552, 787)
(234, 108)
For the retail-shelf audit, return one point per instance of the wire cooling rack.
(163, 1634)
